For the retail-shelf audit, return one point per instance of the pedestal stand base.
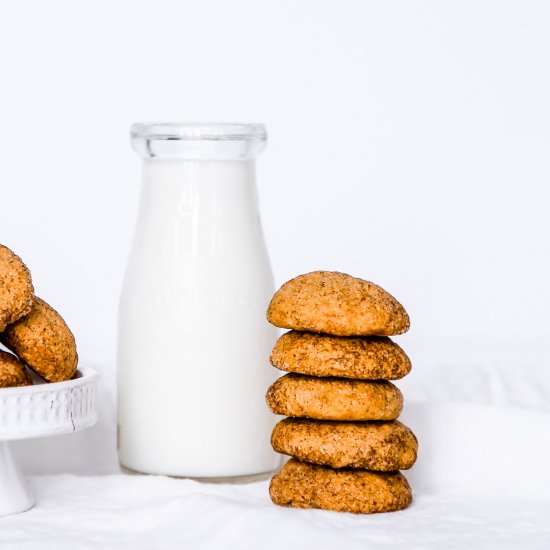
(15, 496)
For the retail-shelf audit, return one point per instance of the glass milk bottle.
(193, 341)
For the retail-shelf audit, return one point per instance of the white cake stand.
(41, 410)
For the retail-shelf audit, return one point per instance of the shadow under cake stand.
(41, 410)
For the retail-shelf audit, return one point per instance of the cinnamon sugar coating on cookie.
(12, 372)
(367, 358)
(16, 290)
(297, 395)
(377, 446)
(302, 485)
(44, 342)
(337, 303)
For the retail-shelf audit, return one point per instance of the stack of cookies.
(342, 432)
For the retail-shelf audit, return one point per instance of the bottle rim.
(203, 131)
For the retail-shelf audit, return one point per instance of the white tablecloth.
(482, 480)
(159, 513)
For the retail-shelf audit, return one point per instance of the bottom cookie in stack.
(302, 485)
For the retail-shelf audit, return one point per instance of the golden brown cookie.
(44, 342)
(336, 303)
(378, 446)
(367, 358)
(334, 398)
(12, 372)
(302, 485)
(16, 290)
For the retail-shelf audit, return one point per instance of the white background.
(409, 145)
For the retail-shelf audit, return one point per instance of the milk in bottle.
(193, 342)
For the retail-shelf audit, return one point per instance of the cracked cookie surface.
(377, 446)
(16, 290)
(297, 395)
(302, 485)
(366, 358)
(336, 303)
(12, 372)
(44, 342)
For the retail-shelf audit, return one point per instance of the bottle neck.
(215, 189)
(205, 173)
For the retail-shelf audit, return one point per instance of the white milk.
(194, 342)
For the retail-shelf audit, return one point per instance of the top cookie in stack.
(341, 405)
(338, 304)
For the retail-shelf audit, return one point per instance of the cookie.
(378, 446)
(16, 290)
(44, 342)
(12, 372)
(297, 395)
(367, 358)
(336, 303)
(302, 485)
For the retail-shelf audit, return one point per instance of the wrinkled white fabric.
(481, 481)
(136, 513)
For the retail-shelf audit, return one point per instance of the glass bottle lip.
(198, 131)
(198, 141)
